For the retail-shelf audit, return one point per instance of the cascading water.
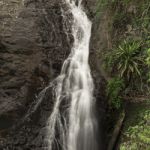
(75, 127)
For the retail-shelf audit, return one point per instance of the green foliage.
(100, 6)
(105, 4)
(148, 63)
(127, 59)
(114, 88)
(120, 20)
(138, 136)
(148, 59)
(141, 20)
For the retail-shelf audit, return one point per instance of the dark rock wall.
(34, 42)
(35, 39)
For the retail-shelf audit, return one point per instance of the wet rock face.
(34, 41)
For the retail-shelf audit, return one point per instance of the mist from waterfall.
(72, 124)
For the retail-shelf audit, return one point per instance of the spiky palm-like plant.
(127, 59)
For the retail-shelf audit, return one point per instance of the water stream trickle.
(75, 127)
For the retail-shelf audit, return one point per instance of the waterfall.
(72, 124)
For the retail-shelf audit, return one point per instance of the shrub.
(114, 88)
(127, 59)
(148, 63)
(138, 136)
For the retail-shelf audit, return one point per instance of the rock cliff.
(35, 39)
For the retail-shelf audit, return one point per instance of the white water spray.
(75, 128)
